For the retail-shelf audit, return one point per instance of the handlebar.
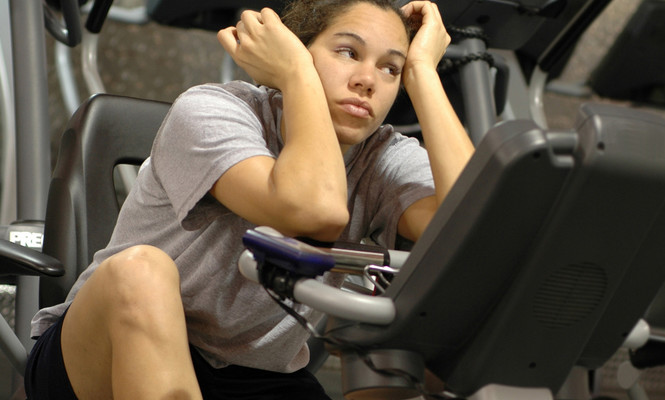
(330, 300)
(100, 9)
(69, 33)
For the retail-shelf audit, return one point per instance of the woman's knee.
(140, 274)
(128, 303)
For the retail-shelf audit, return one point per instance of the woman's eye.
(391, 70)
(346, 52)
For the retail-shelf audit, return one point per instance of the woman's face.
(359, 58)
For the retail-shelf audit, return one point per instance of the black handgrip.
(98, 13)
(650, 355)
(70, 32)
(17, 260)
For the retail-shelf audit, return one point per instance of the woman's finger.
(269, 16)
(228, 38)
(415, 7)
(251, 20)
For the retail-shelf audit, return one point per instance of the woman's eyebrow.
(362, 42)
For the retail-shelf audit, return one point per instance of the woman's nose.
(364, 78)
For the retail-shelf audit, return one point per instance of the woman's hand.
(430, 41)
(265, 48)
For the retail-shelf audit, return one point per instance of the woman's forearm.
(309, 173)
(446, 140)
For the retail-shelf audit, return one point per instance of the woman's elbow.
(325, 224)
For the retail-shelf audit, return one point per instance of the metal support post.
(32, 138)
(478, 91)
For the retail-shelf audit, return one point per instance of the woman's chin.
(349, 136)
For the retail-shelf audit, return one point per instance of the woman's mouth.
(356, 108)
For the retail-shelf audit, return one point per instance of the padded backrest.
(82, 206)
(204, 14)
(551, 46)
(634, 67)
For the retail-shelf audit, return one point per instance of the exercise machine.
(544, 256)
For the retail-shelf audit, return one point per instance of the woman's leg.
(124, 336)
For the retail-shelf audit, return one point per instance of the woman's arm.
(303, 191)
(448, 145)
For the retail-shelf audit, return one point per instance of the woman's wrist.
(297, 76)
(419, 75)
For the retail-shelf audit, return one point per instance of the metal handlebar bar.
(339, 303)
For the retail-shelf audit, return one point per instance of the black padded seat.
(105, 131)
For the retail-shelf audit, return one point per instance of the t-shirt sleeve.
(402, 177)
(207, 131)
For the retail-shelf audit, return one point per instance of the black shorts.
(45, 375)
(46, 378)
(235, 382)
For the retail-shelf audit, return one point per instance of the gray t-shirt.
(209, 129)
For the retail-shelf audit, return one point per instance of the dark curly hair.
(307, 18)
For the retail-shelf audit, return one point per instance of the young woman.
(162, 312)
